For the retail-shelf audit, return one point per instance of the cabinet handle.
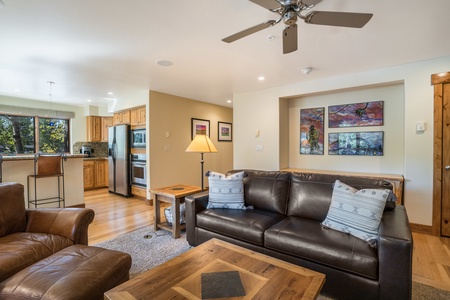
(447, 167)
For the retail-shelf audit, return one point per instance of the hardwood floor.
(115, 215)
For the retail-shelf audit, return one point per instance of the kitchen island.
(16, 168)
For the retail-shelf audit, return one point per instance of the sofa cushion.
(248, 225)
(307, 239)
(356, 212)
(226, 191)
(266, 190)
(22, 249)
(310, 194)
(12, 208)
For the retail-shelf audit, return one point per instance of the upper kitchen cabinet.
(122, 117)
(138, 116)
(93, 128)
(106, 123)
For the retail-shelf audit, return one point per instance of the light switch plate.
(420, 127)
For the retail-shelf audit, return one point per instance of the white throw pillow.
(356, 212)
(226, 191)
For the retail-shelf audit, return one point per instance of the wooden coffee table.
(174, 195)
(218, 270)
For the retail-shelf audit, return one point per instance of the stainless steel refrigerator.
(119, 159)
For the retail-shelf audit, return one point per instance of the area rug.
(149, 249)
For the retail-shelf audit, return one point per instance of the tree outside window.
(18, 135)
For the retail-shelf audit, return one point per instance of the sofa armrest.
(395, 250)
(194, 204)
(72, 223)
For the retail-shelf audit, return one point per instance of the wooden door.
(441, 169)
(446, 161)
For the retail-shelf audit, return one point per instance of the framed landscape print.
(224, 133)
(199, 126)
(356, 143)
(356, 114)
(311, 130)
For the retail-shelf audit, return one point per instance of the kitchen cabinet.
(138, 116)
(101, 173)
(122, 117)
(88, 174)
(106, 123)
(95, 174)
(93, 128)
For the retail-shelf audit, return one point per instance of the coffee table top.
(178, 190)
(220, 270)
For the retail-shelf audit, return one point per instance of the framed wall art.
(356, 114)
(311, 130)
(199, 126)
(356, 143)
(224, 132)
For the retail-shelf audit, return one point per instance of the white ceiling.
(92, 47)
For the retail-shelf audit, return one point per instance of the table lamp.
(201, 144)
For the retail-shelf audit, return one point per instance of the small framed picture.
(224, 132)
(199, 126)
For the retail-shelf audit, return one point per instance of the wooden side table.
(174, 195)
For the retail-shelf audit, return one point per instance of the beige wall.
(259, 110)
(170, 135)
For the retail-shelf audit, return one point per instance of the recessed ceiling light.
(261, 78)
(89, 100)
(229, 101)
(110, 93)
(17, 90)
(271, 37)
(306, 70)
(164, 63)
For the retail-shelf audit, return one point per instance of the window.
(19, 134)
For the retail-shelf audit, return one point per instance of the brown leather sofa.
(286, 223)
(44, 252)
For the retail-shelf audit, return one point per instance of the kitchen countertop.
(31, 157)
(95, 158)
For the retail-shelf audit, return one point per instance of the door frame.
(438, 80)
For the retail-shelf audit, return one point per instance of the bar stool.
(46, 166)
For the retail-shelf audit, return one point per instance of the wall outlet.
(259, 147)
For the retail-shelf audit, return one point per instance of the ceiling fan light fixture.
(306, 70)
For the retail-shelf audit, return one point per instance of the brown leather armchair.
(30, 235)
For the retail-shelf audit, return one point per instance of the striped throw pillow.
(226, 191)
(356, 212)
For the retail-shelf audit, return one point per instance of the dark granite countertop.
(31, 157)
(95, 158)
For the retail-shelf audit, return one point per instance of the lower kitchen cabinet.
(95, 174)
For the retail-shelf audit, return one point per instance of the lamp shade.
(201, 144)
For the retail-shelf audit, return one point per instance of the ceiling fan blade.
(311, 2)
(290, 39)
(269, 4)
(332, 18)
(249, 31)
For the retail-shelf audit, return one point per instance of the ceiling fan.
(290, 10)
